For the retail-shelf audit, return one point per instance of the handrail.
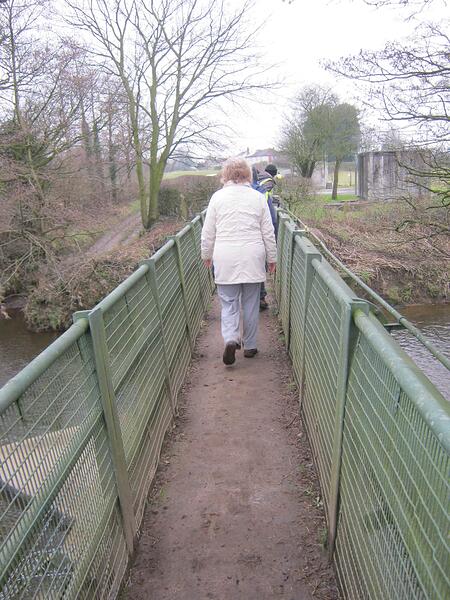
(429, 401)
(390, 309)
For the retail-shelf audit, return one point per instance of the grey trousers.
(232, 298)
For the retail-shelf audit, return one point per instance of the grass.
(340, 198)
(175, 174)
(315, 211)
(346, 178)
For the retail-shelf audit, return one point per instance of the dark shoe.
(263, 304)
(229, 353)
(250, 353)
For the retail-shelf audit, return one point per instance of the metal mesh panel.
(321, 374)
(53, 466)
(171, 295)
(128, 324)
(190, 267)
(283, 274)
(392, 469)
(61, 531)
(206, 285)
(145, 460)
(298, 308)
(393, 533)
(180, 363)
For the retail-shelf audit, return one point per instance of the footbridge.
(83, 424)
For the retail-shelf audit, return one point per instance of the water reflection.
(434, 322)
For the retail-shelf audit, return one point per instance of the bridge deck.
(235, 510)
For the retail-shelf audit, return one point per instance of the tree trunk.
(97, 152)
(337, 164)
(112, 161)
(156, 175)
(132, 112)
(87, 144)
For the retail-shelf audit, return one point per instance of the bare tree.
(175, 60)
(407, 83)
(38, 116)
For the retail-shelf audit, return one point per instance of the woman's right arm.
(209, 232)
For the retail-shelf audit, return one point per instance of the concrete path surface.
(235, 512)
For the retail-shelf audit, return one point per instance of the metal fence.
(379, 431)
(82, 427)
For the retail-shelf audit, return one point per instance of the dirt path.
(235, 512)
(127, 229)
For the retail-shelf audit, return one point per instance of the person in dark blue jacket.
(264, 183)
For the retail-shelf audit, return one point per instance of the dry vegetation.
(82, 280)
(405, 266)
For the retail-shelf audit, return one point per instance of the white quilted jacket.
(238, 235)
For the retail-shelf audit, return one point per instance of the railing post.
(108, 400)
(180, 267)
(347, 340)
(153, 283)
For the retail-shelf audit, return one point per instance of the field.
(175, 174)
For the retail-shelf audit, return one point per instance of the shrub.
(187, 195)
(168, 200)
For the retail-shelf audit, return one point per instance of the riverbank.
(80, 281)
(81, 274)
(80, 261)
(409, 266)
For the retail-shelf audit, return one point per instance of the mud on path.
(235, 512)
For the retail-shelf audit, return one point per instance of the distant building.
(392, 174)
(262, 156)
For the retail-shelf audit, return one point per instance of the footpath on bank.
(235, 511)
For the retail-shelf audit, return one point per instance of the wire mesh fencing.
(81, 429)
(378, 428)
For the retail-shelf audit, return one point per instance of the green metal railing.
(83, 424)
(82, 427)
(379, 431)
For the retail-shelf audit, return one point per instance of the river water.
(18, 345)
(434, 322)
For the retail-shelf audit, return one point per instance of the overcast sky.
(298, 36)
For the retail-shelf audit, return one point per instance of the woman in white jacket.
(238, 237)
